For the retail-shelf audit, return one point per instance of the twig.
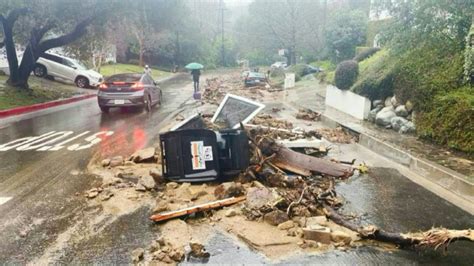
(296, 202)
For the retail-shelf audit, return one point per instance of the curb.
(40, 106)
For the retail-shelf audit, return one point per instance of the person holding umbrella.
(196, 73)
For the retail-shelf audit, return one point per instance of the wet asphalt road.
(42, 184)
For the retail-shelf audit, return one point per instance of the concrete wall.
(348, 102)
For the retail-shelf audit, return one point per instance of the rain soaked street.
(45, 203)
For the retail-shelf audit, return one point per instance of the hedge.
(451, 121)
(346, 74)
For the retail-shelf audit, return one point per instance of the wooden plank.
(198, 208)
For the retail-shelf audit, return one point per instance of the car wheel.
(40, 71)
(104, 109)
(82, 82)
(148, 104)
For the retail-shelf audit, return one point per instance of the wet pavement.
(44, 204)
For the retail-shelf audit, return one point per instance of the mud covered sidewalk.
(287, 210)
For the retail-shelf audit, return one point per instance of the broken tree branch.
(296, 202)
(434, 238)
(198, 208)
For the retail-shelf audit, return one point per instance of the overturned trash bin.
(198, 155)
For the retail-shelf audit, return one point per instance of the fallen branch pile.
(315, 194)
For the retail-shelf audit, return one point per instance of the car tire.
(82, 82)
(104, 109)
(40, 71)
(148, 105)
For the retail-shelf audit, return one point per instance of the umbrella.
(194, 65)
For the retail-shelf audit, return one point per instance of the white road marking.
(4, 200)
(46, 142)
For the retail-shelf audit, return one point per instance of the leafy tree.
(345, 31)
(43, 25)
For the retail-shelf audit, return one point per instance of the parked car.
(278, 65)
(309, 69)
(68, 69)
(254, 79)
(128, 90)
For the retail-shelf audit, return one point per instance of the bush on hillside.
(451, 120)
(365, 53)
(375, 79)
(134, 62)
(298, 69)
(424, 72)
(346, 74)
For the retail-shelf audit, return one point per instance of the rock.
(316, 221)
(128, 175)
(198, 250)
(229, 189)
(177, 254)
(409, 106)
(196, 191)
(388, 102)
(140, 187)
(401, 111)
(92, 193)
(105, 162)
(147, 181)
(230, 213)
(171, 185)
(167, 259)
(137, 255)
(394, 101)
(161, 240)
(257, 197)
(116, 161)
(159, 255)
(155, 246)
(23, 233)
(144, 155)
(339, 236)
(107, 194)
(129, 163)
(319, 234)
(295, 231)
(397, 122)
(312, 244)
(157, 175)
(408, 127)
(384, 117)
(286, 225)
(376, 103)
(275, 217)
(373, 113)
(161, 206)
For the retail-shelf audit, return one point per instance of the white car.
(278, 65)
(68, 69)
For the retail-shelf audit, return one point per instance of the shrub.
(375, 80)
(451, 120)
(298, 69)
(346, 74)
(134, 62)
(365, 53)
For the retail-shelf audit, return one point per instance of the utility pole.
(221, 9)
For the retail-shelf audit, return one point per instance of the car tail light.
(137, 86)
(103, 86)
(118, 83)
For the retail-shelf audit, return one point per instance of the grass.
(41, 91)
(112, 69)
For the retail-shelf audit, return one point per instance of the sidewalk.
(451, 170)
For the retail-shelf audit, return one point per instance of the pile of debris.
(283, 200)
(308, 114)
(338, 135)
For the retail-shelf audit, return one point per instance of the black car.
(128, 90)
(255, 79)
(309, 69)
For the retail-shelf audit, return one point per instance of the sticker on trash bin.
(208, 153)
(197, 152)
